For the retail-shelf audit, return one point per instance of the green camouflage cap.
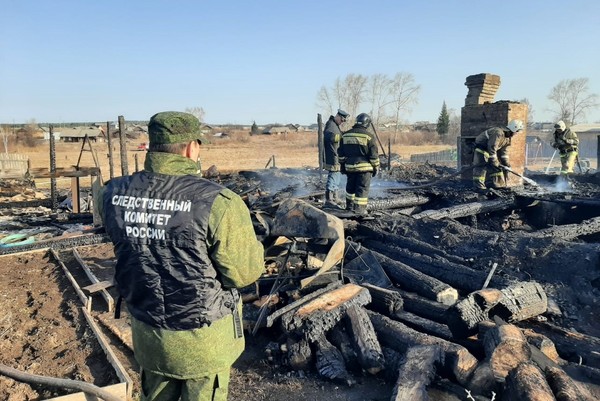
(174, 127)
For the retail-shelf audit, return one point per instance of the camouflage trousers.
(157, 387)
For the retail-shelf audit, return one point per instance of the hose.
(87, 388)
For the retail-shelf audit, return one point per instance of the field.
(238, 152)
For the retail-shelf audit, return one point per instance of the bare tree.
(572, 99)
(379, 94)
(404, 92)
(355, 94)
(529, 111)
(198, 112)
(325, 100)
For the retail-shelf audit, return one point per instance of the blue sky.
(265, 61)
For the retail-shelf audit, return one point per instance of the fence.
(13, 165)
(449, 155)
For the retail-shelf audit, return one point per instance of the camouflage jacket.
(237, 256)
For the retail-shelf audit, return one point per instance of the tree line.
(389, 99)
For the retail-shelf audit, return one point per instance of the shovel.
(527, 180)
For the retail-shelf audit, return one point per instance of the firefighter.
(331, 138)
(566, 142)
(491, 152)
(359, 161)
(183, 245)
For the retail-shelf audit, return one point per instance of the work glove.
(555, 145)
(342, 168)
(570, 141)
(374, 173)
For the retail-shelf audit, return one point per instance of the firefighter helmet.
(515, 126)
(560, 125)
(363, 120)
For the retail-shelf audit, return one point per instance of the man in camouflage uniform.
(183, 246)
(359, 160)
(491, 152)
(566, 142)
(331, 139)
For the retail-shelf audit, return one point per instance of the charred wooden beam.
(467, 209)
(572, 346)
(517, 302)
(423, 307)
(483, 381)
(458, 360)
(405, 242)
(457, 275)
(506, 347)
(299, 302)
(365, 340)
(417, 372)
(318, 316)
(527, 382)
(330, 363)
(398, 202)
(413, 280)
(570, 231)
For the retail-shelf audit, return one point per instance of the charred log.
(383, 300)
(458, 361)
(506, 347)
(366, 344)
(527, 382)
(299, 353)
(316, 317)
(544, 344)
(564, 388)
(466, 209)
(457, 275)
(572, 346)
(423, 307)
(397, 202)
(341, 340)
(423, 325)
(330, 363)
(417, 372)
(405, 242)
(515, 303)
(413, 280)
(570, 231)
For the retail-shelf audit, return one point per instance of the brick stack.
(482, 88)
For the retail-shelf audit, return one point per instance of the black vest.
(158, 225)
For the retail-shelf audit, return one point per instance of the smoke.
(379, 187)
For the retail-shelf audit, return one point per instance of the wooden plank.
(101, 285)
(87, 301)
(119, 390)
(110, 302)
(119, 327)
(110, 355)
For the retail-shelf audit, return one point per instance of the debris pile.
(495, 295)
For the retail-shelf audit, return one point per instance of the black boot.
(360, 210)
(329, 199)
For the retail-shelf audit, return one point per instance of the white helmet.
(560, 125)
(515, 126)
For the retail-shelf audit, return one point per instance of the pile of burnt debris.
(494, 294)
